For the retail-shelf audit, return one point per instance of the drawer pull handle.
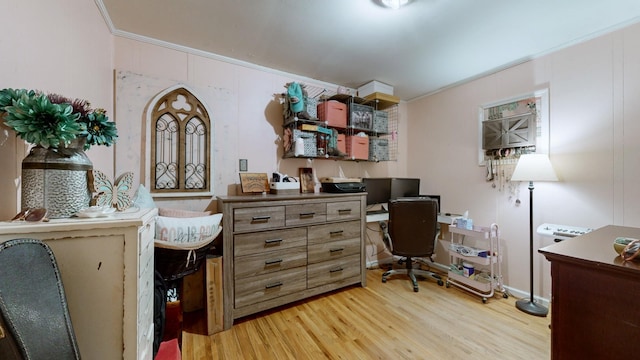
(342, 211)
(271, 262)
(273, 285)
(337, 232)
(261, 218)
(273, 241)
(307, 215)
(336, 270)
(336, 250)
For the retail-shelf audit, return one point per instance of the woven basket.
(176, 260)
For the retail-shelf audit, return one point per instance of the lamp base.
(531, 307)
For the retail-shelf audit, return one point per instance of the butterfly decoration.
(112, 194)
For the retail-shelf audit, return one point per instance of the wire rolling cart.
(487, 275)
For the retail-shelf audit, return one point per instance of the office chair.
(412, 232)
(34, 318)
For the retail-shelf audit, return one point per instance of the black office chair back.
(413, 226)
(34, 318)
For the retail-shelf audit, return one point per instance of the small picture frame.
(307, 185)
(254, 182)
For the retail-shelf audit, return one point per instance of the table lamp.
(532, 167)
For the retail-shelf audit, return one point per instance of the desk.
(595, 313)
(442, 218)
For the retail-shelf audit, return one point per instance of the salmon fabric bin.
(342, 143)
(358, 147)
(334, 113)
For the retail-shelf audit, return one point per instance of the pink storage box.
(334, 113)
(358, 147)
(342, 143)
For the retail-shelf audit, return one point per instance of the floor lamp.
(532, 167)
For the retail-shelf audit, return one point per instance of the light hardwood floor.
(381, 321)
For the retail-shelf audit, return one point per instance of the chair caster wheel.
(415, 289)
(505, 296)
(440, 282)
(484, 300)
(384, 280)
(447, 285)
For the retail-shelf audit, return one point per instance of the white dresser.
(107, 271)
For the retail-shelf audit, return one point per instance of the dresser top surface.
(120, 219)
(269, 197)
(595, 247)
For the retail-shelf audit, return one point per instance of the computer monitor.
(404, 187)
(378, 190)
(436, 198)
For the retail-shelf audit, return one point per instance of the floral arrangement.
(54, 121)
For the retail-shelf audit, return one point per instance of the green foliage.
(98, 129)
(53, 120)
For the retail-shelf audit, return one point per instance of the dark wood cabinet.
(595, 297)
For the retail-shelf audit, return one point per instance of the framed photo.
(254, 182)
(307, 185)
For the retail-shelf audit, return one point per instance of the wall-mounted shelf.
(375, 116)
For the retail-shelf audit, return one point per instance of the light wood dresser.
(106, 266)
(282, 248)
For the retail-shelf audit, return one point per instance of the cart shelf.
(490, 263)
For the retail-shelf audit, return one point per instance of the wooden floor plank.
(381, 321)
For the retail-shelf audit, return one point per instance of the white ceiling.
(419, 49)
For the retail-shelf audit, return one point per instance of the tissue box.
(464, 223)
(284, 188)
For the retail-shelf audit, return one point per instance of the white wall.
(244, 108)
(593, 91)
(61, 47)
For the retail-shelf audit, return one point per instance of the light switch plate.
(244, 164)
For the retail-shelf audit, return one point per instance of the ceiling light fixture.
(394, 4)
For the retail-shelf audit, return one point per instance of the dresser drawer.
(258, 218)
(269, 286)
(252, 243)
(304, 214)
(333, 271)
(324, 251)
(269, 262)
(334, 232)
(343, 210)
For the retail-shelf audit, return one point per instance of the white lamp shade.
(534, 167)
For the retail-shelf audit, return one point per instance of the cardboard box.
(358, 147)
(192, 291)
(334, 113)
(373, 87)
(215, 312)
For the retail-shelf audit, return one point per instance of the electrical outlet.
(244, 164)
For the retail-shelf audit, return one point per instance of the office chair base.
(412, 273)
